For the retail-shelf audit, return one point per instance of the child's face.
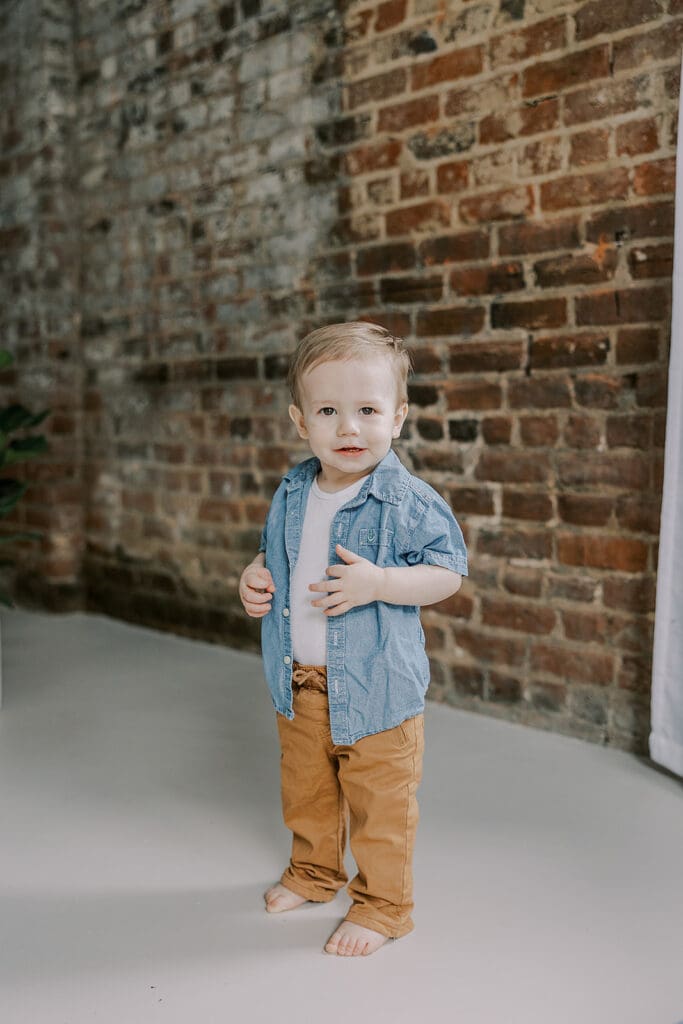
(350, 416)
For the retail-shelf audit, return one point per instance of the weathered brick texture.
(492, 179)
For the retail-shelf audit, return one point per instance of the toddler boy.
(352, 547)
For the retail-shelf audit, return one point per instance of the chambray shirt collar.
(388, 481)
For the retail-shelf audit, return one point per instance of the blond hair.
(354, 340)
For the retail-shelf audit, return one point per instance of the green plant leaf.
(10, 492)
(8, 538)
(6, 358)
(23, 449)
(16, 417)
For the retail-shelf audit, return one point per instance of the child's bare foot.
(353, 940)
(279, 898)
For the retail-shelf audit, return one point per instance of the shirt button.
(287, 659)
(285, 611)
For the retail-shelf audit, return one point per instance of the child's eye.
(367, 410)
(327, 410)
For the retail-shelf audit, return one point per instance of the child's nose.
(347, 425)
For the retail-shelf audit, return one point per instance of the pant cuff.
(368, 921)
(309, 892)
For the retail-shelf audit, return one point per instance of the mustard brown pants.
(372, 784)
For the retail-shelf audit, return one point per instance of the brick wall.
(492, 179)
(39, 279)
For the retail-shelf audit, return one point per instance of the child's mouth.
(350, 451)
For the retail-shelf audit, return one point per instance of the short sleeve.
(436, 539)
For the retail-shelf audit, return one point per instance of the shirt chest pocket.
(372, 540)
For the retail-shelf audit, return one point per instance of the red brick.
(471, 100)
(582, 432)
(542, 157)
(490, 647)
(601, 552)
(426, 359)
(506, 204)
(452, 177)
(487, 280)
(378, 87)
(504, 689)
(589, 627)
(375, 157)
(538, 431)
(636, 137)
(634, 305)
(576, 268)
(507, 543)
(548, 697)
(650, 220)
(593, 469)
(477, 501)
(512, 467)
(645, 48)
(414, 183)
(459, 606)
(524, 582)
(537, 117)
(572, 588)
(379, 259)
(638, 345)
(437, 460)
(531, 315)
(455, 320)
(539, 393)
(633, 595)
(601, 16)
(410, 289)
(655, 178)
(574, 68)
(515, 47)
(401, 116)
(457, 64)
(390, 14)
(585, 189)
(597, 102)
(470, 245)
(584, 509)
(651, 261)
(651, 388)
(485, 357)
(569, 350)
(598, 391)
(527, 505)
(527, 238)
(525, 618)
(590, 147)
(566, 663)
(472, 395)
(629, 431)
(639, 513)
(421, 217)
(496, 429)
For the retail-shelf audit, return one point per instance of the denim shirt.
(377, 668)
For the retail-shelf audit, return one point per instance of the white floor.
(140, 824)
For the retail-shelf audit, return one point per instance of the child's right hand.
(256, 589)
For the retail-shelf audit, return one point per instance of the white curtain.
(666, 737)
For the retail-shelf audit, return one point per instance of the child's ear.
(399, 419)
(297, 418)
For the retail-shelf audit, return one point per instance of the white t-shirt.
(309, 624)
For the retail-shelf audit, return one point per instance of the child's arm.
(360, 581)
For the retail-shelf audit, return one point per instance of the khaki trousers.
(374, 783)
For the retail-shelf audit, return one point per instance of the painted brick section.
(492, 180)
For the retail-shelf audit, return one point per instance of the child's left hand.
(355, 583)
